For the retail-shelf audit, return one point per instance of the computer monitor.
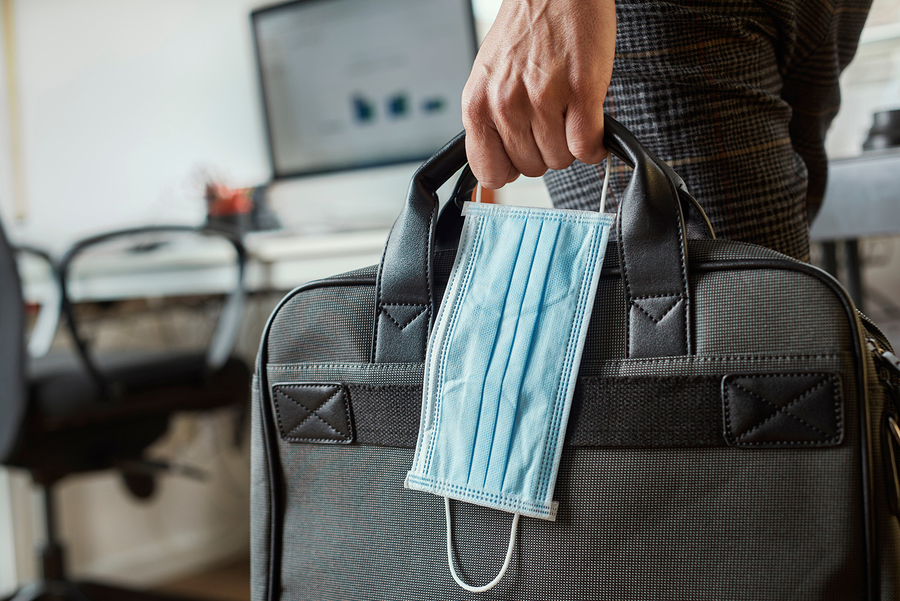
(359, 83)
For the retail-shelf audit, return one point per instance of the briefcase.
(733, 432)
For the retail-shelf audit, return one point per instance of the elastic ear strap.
(512, 543)
(605, 184)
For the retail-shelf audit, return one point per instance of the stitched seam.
(478, 494)
(332, 428)
(278, 414)
(279, 394)
(684, 278)
(312, 413)
(684, 275)
(783, 410)
(576, 216)
(378, 296)
(663, 316)
(679, 294)
(812, 443)
(286, 436)
(625, 279)
(437, 407)
(428, 252)
(779, 410)
(397, 323)
(550, 451)
(680, 360)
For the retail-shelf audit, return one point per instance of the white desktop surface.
(310, 247)
(283, 261)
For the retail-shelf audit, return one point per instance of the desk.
(283, 261)
(277, 261)
(862, 199)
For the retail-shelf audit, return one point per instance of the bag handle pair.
(652, 254)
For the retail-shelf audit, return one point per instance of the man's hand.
(534, 99)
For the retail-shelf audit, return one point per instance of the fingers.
(534, 98)
(508, 134)
(499, 149)
(584, 134)
(550, 135)
(488, 158)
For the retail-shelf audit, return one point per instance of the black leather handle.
(404, 300)
(652, 252)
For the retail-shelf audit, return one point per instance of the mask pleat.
(556, 335)
(519, 262)
(505, 456)
(473, 349)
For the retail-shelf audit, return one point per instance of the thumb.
(584, 132)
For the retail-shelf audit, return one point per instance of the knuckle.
(534, 171)
(556, 163)
(587, 148)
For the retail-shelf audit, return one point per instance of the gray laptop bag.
(733, 433)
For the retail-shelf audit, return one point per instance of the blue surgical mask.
(503, 356)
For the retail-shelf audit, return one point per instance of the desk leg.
(829, 258)
(853, 269)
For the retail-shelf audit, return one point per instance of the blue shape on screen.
(363, 109)
(398, 105)
(433, 105)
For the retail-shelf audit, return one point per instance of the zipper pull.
(885, 359)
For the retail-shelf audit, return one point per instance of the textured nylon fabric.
(699, 523)
(611, 412)
(386, 415)
(888, 525)
(333, 322)
(641, 411)
(647, 412)
(260, 501)
(779, 311)
(636, 525)
(647, 403)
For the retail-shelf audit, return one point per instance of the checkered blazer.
(737, 96)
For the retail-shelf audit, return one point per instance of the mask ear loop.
(605, 184)
(512, 543)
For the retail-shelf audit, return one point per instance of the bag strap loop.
(652, 253)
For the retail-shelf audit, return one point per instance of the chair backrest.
(155, 262)
(13, 388)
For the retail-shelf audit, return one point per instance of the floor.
(230, 582)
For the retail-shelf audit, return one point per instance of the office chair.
(86, 411)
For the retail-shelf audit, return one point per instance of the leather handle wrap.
(652, 251)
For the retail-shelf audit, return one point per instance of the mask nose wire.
(512, 543)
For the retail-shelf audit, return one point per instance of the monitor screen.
(355, 83)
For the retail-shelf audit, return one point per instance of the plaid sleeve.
(737, 96)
